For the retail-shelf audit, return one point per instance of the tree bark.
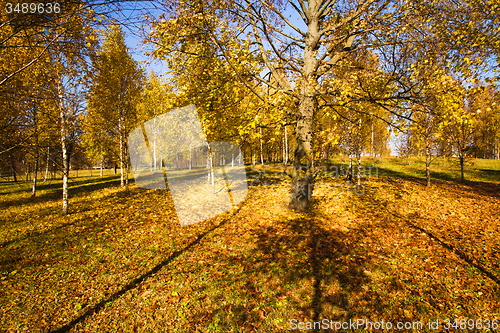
(102, 162)
(261, 150)
(210, 167)
(154, 150)
(190, 158)
(35, 171)
(461, 157)
(359, 168)
(303, 182)
(285, 160)
(428, 134)
(47, 165)
(428, 165)
(120, 129)
(64, 148)
(351, 169)
(14, 173)
(127, 168)
(371, 143)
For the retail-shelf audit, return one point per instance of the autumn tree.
(487, 127)
(458, 121)
(114, 92)
(295, 57)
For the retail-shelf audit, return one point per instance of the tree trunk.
(122, 174)
(261, 150)
(35, 171)
(461, 157)
(285, 161)
(47, 166)
(210, 167)
(428, 133)
(35, 174)
(102, 162)
(351, 170)
(64, 148)
(14, 173)
(428, 165)
(127, 168)
(359, 168)
(371, 143)
(302, 182)
(154, 151)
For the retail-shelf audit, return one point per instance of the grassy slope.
(401, 252)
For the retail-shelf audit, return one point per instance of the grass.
(121, 263)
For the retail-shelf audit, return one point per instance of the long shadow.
(299, 251)
(474, 187)
(52, 191)
(397, 174)
(453, 249)
(137, 281)
(442, 242)
(88, 203)
(493, 173)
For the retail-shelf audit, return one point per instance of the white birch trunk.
(359, 168)
(286, 146)
(190, 158)
(47, 166)
(102, 162)
(65, 166)
(371, 144)
(261, 150)
(120, 129)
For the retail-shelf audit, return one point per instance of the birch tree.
(115, 90)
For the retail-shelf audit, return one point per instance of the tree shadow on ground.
(52, 191)
(314, 267)
(379, 210)
(139, 279)
(63, 228)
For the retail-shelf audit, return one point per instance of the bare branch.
(272, 8)
(31, 62)
(304, 10)
(279, 79)
(351, 18)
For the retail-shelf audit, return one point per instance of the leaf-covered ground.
(401, 252)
